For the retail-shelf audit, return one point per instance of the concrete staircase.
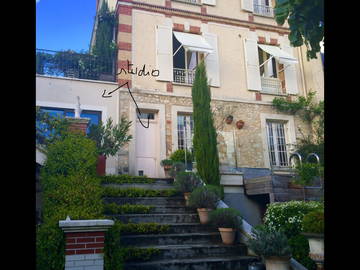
(187, 245)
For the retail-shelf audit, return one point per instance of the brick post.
(84, 243)
(78, 124)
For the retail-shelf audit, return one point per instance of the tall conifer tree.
(204, 141)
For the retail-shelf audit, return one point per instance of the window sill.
(182, 84)
(185, 2)
(262, 15)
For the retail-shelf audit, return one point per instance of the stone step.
(161, 201)
(168, 252)
(172, 210)
(179, 228)
(158, 218)
(155, 186)
(200, 263)
(171, 239)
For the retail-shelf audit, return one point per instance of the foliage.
(306, 173)
(110, 138)
(143, 228)
(186, 181)
(268, 242)
(105, 47)
(138, 254)
(113, 208)
(204, 140)
(179, 156)
(137, 192)
(313, 222)
(306, 22)
(177, 167)
(70, 188)
(225, 218)
(125, 179)
(49, 128)
(113, 254)
(288, 216)
(218, 190)
(203, 197)
(166, 162)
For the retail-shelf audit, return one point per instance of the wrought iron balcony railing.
(75, 65)
(184, 76)
(271, 85)
(263, 10)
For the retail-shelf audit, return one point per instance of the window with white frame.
(277, 143)
(185, 129)
(263, 7)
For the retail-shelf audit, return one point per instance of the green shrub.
(300, 251)
(203, 197)
(113, 254)
(313, 222)
(186, 181)
(218, 190)
(225, 218)
(267, 242)
(177, 167)
(113, 208)
(179, 156)
(138, 254)
(306, 173)
(143, 228)
(137, 192)
(125, 179)
(166, 162)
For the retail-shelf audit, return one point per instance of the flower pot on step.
(277, 263)
(204, 215)
(316, 245)
(227, 235)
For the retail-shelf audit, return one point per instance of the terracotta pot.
(101, 165)
(229, 119)
(204, 215)
(227, 235)
(277, 263)
(316, 244)
(186, 197)
(240, 124)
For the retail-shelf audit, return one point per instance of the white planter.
(316, 245)
(277, 263)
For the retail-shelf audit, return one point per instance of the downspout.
(302, 72)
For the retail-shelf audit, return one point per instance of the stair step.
(158, 218)
(161, 201)
(155, 186)
(170, 239)
(200, 263)
(172, 210)
(197, 250)
(190, 228)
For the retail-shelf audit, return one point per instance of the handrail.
(295, 154)
(318, 162)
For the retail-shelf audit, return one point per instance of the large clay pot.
(316, 244)
(204, 215)
(186, 197)
(277, 263)
(101, 165)
(227, 235)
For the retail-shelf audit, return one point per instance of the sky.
(64, 24)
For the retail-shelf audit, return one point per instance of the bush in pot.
(186, 182)
(176, 168)
(272, 245)
(227, 220)
(166, 163)
(204, 200)
(313, 229)
(179, 156)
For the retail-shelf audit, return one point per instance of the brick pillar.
(78, 124)
(84, 243)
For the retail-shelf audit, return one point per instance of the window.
(276, 137)
(263, 8)
(185, 131)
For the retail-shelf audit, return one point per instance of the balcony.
(271, 86)
(263, 10)
(184, 76)
(74, 65)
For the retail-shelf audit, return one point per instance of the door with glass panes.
(276, 138)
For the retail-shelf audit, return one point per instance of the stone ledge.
(69, 225)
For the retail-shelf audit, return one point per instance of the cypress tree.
(204, 141)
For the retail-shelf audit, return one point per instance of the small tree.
(204, 141)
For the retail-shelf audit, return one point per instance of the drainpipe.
(302, 72)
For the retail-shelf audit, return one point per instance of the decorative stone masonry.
(84, 243)
(78, 124)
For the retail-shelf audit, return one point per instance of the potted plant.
(272, 246)
(109, 139)
(240, 124)
(227, 220)
(177, 167)
(179, 156)
(204, 200)
(167, 164)
(313, 230)
(186, 182)
(229, 119)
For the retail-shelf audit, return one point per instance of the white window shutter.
(247, 5)
(252, 64)
(209, 2)
(212, 60)
(291, 83)
(164, 53)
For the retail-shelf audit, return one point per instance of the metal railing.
(271, 85)
(74, 65)
(183, 76)
(263, 10)
(189, 1)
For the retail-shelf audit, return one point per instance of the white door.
(147, 146)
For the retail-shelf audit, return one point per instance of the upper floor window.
(263, 7)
